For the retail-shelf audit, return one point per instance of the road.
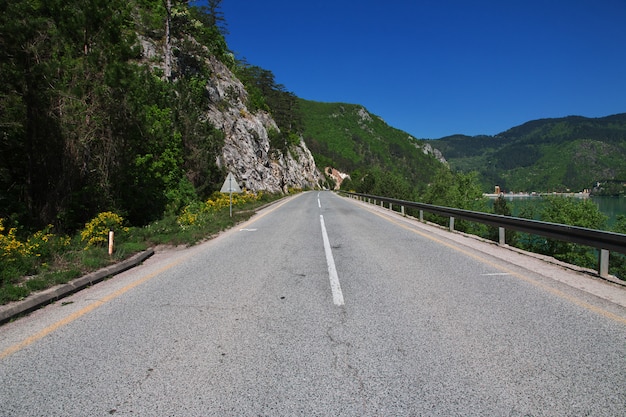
(322, 306)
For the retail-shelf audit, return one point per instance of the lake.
(609, 206)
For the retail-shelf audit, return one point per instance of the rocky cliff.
(247, 152)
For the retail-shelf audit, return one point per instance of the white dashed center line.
(332, 271)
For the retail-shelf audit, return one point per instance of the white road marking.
(332, 271)
(319, 204)
(495, 274)
(247, 230)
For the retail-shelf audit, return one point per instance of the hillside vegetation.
(104, 125)
(103, 107)
(565, 154)
(95, 117)
(349, 138)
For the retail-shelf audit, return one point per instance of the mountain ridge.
(350, 138)
(570, 153)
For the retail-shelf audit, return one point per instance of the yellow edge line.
(76, 315)
(544, 287)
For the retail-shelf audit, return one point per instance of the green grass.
(56, 263)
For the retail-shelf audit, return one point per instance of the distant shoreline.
(534, 194)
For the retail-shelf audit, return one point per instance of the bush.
(12, 250)
(19, 257)
(199, 214)
(569, 211)
(45, 259)
(96, 232)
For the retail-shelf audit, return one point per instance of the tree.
(168, 40)
(573, 212)
(500, 206)
(265, 94)
(457, 190)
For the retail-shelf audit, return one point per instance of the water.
(609, 206)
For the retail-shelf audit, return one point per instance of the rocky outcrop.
(429, 150)
(337, 176)
(247, 152)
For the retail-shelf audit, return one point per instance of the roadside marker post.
(111, 242)
(230, 186)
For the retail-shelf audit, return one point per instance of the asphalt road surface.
(323, 306)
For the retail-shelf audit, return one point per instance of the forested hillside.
(349, 138)
(564, 154)
(104, 106)
(91, 120)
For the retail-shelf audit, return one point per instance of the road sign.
(230, 185)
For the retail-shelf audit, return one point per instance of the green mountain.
(349, 138)
(563, 154)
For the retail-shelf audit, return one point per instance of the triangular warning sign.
(230, 185)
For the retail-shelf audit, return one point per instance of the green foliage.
(567, 154)
(570, 211)
(458, 190)
(198, 214)
(379, 182)
(88, 126)
(31, 263)
(610, 188)
(501, 207)
(573, 211)
(265, 94)
(347, 137)
(96, 231)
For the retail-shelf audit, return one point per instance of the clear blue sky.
(438, 67)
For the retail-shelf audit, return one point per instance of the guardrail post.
(452, 224)
(390, 206)
(403, 213)
(382, 203)
(421, 215)
(603, 267)
(501, 236)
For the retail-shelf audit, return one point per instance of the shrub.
(11, 248)
(198, 214)
(18, 257)
(96, 232)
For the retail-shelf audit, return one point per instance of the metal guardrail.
(604, 241)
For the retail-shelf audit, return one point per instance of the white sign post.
(230, 186)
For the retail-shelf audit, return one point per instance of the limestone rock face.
(429, 150)
(336, 175)
(247, 152)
